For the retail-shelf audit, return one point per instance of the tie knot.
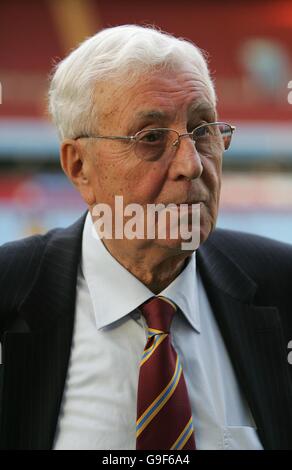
(158, 313)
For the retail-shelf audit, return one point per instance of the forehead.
(161, 96)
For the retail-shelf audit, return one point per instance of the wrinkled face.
(179, 100)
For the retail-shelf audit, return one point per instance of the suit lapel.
(36, 349)
(255, 342)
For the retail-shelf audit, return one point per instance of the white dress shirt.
(98, 409)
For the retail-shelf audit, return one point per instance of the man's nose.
(186, 162)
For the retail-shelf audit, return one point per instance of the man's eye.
(151, 136)
(202, 132)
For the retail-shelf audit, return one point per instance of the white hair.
(109, 55)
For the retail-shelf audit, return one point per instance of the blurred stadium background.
(250, 54)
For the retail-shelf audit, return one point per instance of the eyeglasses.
(152, 144)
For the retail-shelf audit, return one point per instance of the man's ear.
(72, 160)
(75, 166)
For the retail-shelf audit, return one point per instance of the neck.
(155, 268)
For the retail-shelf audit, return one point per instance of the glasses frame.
(133, 138)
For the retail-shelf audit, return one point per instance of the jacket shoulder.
(251, 244)
(19, 263)
(265, 260)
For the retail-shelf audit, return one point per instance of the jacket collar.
(54, 291)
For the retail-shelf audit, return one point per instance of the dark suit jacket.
(248, 280)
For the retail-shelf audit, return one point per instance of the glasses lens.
(226, 133)
(211, 138)
(152, 144)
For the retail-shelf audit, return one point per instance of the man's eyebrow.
(201, 107)
(159, 115)
(151, 114)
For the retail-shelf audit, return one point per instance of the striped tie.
(164, 417)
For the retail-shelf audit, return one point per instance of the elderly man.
(139, 342)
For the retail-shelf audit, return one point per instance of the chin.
(206, 228)
(179, 246)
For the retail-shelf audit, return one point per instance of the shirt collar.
(183, 291)
(115, 292)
